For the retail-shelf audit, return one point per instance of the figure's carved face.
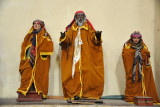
(36, 25)
(80, 18)
(136, 39)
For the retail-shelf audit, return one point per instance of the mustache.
(80, 20)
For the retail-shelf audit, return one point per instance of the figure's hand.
(147, 60)
(62, 35)
(21, 72)
(98, 35)
(45, 34)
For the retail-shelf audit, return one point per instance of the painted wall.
(116, 18)
(156, 45)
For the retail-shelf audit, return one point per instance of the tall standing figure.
(82, 59)
(139, 76)
(35, 60)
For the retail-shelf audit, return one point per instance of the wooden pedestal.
(144, 101)
(31, 96)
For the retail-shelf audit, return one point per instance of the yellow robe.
(39, 74)
(146, 87)
(88, 80)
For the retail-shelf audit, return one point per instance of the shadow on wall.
(51, 75)
(156, 45)
(1, 83)
(105, 90)
(1, 69)
(59, 65)
(55, 63)
(120, 75)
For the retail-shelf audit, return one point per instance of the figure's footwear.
(44, 98)
(69, 100)
(76, 97)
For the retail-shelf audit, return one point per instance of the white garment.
(77, 50)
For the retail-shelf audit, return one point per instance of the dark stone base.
(31, 96)
(85, 101)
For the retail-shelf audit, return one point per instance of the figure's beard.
(80, 22)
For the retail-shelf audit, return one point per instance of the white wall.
(116, 18)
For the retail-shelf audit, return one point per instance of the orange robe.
(146, 87)
(39, 74)
(88, 80)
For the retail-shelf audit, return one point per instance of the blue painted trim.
(120, 97)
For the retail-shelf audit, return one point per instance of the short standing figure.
(35, 60)
(139, 76)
